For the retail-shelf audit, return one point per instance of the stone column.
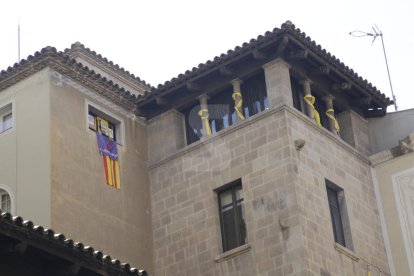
(279, 90)
(238, 99)
(169, 124)
(306, 83)
(203, 113)
(330, 110)
(354, 130)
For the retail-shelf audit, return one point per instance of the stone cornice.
(78, 50)
(62, 63)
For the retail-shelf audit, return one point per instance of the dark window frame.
(339, 215)
(238, 223)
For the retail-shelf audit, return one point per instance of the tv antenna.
(377, 33)
(18, 39)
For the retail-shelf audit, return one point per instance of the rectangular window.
(6, 117)
(233, 227)
(105, 123)
(339, 215)
(5, 204)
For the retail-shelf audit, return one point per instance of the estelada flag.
(109, 152)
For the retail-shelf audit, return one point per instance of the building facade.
(393, 172)
(254, 163)
(50, 165)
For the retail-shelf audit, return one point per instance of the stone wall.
(282, 188)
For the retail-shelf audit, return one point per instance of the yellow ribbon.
(310, 100)
(203, 113)
(332, 117)
(238, 104)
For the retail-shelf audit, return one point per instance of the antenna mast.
(18, 40)
(377, 33)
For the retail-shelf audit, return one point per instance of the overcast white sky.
(159, 39)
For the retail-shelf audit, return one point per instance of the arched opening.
(5, 201)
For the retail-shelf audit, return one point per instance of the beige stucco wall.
(84, 208)
(387, 178)
(280, 186)
(25, 149)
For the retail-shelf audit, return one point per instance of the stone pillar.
(279, 90)
(306, 83)
(203, 113)
(238, 98)
(169, 124)
(330, 110)
(354, 130)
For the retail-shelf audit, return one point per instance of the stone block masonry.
(287, 216)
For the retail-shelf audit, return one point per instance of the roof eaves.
(20, 229)
(335, 62)
(288, 28)
(79, 47)
(61, 62)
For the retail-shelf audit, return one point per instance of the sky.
(159, 39)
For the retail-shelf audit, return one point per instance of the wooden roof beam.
(192, 86)
(227, 71)
(282, 46)
(160, 100)
(341, 86)
(362, 101)
(259, 55)
(298, 54)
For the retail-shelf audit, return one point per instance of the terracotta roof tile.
(59, 61)
(269, 36)
(79, 46)
(49, 238)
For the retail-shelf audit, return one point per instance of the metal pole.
(18, 40)
(388, 71)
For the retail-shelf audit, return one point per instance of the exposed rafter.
(192, 86)
(298, 54)
(341, 86)
(259, 55)
(227, 71)
(160, 100)
(282, 46)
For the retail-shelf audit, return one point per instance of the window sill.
(347, 252)
(232, 253)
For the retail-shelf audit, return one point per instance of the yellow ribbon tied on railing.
(203, 113)
(330, 114)
(238, 103)
(310, 100)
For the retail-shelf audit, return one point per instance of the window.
(5, 201)
(221, 107)
(104, 122)
(233, 227)
(339, 215)
(6, 117)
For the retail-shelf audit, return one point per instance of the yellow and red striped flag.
(108, 150)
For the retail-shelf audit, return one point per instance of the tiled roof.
(77, 46)
(262, 40)
(18, 229)
(67, 66)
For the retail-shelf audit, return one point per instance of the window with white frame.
(102, 121)
(6, 117)
(5, 201)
